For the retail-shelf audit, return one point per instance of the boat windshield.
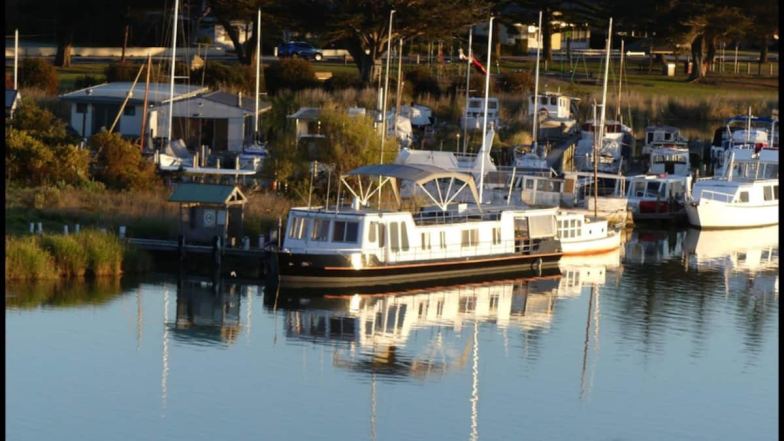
(648, 189)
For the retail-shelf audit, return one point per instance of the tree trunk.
(547, 35)
(763, 58)
(64, 48)
(365, 63)
(700, 66)
(239, 48)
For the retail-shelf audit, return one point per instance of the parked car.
(300, 49)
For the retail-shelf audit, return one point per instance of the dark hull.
(332, 271)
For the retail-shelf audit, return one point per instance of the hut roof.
(207, 194)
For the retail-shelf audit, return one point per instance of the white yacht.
(746, 195)
(556, 113)
(581, 234)
(740, 133)
(368, 246)
(658, 197)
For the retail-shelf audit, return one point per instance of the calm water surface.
(673, 337)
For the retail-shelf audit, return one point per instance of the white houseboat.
(474, 113)
(362, 246)
(556, 113)
(747, 195)
(742, 132)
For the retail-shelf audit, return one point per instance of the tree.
(362, 27)
(227, 11)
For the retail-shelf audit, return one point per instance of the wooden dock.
(173, 246)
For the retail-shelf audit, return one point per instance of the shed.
(12, 99)
(209, 210)
(306, 122)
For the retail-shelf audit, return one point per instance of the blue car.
(300, 49)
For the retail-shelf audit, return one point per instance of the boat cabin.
(669, 160)
(553, 105)
(473, 115)
(658, 196)
(655, 135)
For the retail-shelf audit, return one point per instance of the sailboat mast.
(536, 86)
(484, 123)
(398, 91)
(468, 84)
(258, 65)
(146, 97)
(620, 82)
(16, 57)
(601, 122)
(171, 80)
(386, 92)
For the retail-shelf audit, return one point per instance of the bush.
(220, 75)
(119, 164)
(25, 259)
(38, 73)
(290, 73)
(27, 159)
(516, 82)
(87, 81)
(40, 123)
(343, 80)
(423, 83)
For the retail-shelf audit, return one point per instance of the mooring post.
(181, 247)
(65, 230)
(280, 225)
(76, 228)
(246, 243)
(32, 227)
(261, 241)
(122, 232)
(40, 228)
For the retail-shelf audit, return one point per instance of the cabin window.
(496, 235)
(529, 184)
(343, 231)
(492, 105)
(744, 196)
(667, 136)
(320, 230)
(372, 232)
(767, 192)
(443, 240)
(425, 241)
(382, 229)
(470, 238)
(403, 236)
(553, 100)
(394, 241)
(651, 189)
(776, 192)
(298, 228)
(650, 138)
(129, 111)
(81, 108)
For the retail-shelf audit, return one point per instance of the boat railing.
(717, 196)
(478, 249)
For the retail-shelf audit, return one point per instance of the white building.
(220, 120)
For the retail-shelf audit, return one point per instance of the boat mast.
(398, 91)
(146, 97)
(468, 83)
(484, 123)
(386, 91)
(16, 57)
(601, 124)
(620, 82)
(171, 80)
(536, 87)
(258, 65)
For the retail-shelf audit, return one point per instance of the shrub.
(423, 82)
(28, 160)
(516, 82)
(220, 75)
(38, 73)
(290, 73)
(25, 259)
(343, 80)
(121, 71)
(119, 164)
(40, 123)
(69, 256)
(87, 81)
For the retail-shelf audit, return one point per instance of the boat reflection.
(648, 246)
(748, 258)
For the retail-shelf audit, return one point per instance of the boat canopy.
(419, 174)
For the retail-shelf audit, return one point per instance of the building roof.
(116, 92)
(207, 194)
(11, 96)
(307, 113)
(231, 100)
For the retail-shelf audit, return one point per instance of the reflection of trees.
(63, 293)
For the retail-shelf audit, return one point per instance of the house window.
(129, 111)
(320, 230)
(81, 108)
(744, 196)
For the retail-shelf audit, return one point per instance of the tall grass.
(88, 253)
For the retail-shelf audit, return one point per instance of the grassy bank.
(88, 253)
(146, 214)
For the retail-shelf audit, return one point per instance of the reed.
(25, 259)
(69, 256)
(104, 252)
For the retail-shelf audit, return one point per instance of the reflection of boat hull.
(709, 213)
(713, 244)
(335, 271)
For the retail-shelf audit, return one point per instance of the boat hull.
(708, 213)
(586, 247)
(331, 271)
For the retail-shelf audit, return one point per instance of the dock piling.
(32, 227)
(40, 228)
(122, 232)
(65, 230)
(76, 228)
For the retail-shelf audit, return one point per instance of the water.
(673, 337)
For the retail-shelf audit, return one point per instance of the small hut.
(209, 210)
